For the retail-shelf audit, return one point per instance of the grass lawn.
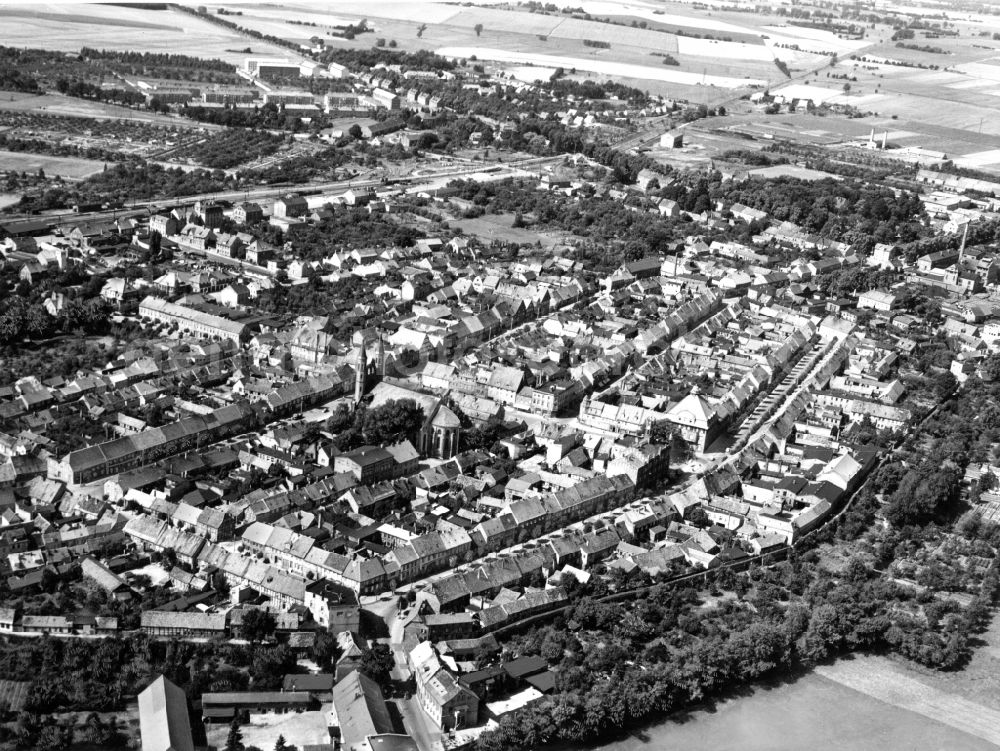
(499, 227)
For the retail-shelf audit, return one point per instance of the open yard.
(299, 728)
(498, 227)
(68, 167)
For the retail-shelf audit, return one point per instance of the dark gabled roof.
(522, 667)
(544, 682)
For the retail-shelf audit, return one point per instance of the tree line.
(86, 90)
(618, 664)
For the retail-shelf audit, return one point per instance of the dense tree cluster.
(565, 88)
(392, 422)
(163, 65)
(103, 674)
(47, 733)
(87, 90)
(267, 116)
(854, 280)
(131, 181)
(360, 59)
(320, 165)
(40, 146)
(925, 484)
(257, 625)
(231, 147)
(657, 651)
(832, 208)
(20, 319)
(351, 228)
(11, 77)
(617, 234)
(377, 662)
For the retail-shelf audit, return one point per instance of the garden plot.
(57, 104)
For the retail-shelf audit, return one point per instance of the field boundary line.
(880, 681)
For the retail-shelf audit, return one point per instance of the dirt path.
(881, 679)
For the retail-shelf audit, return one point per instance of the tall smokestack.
(885, 137)
(871, 137)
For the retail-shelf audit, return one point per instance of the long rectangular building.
(203, 325)
(148, 446)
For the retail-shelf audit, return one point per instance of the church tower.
(380, 357)
(360, 373)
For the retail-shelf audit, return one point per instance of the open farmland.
(961, 99)
(811, 712)
(881, 679)
(737, 54)
(671, 15)
(63, 27)
(600, 65)
(683, 29)
(562, 27)
(68, 167)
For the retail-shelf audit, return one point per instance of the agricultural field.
(898, 686)
(67, 167)
(601, 64)
(64, 27)
(812, 712)
(736, 56)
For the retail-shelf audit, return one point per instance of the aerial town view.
(500, 375)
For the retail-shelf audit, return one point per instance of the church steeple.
(360, 373)
(380, 356)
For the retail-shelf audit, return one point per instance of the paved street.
(417, 724)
